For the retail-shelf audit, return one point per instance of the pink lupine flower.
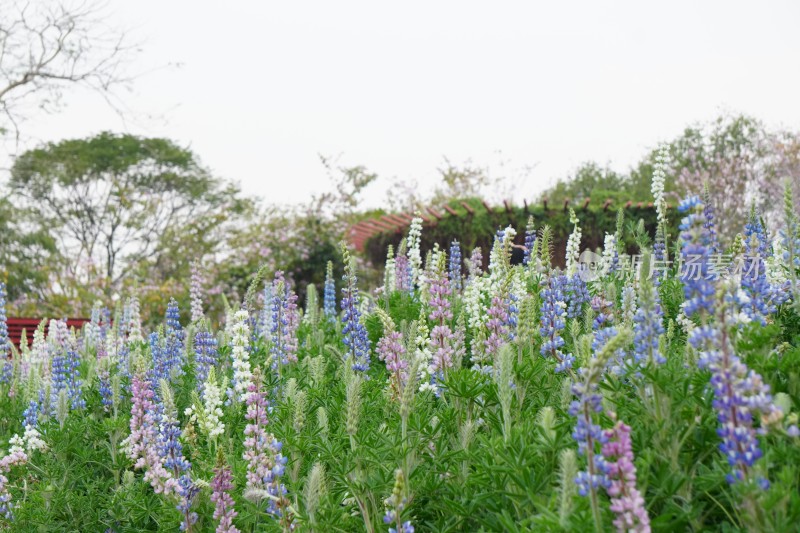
(626, 500)
(221, 486)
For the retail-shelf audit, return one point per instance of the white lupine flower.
(473, 296)
(239, 333)
(609, 249)
(414, 257)
(657, 185)
(775, 269)
(209, 420)
(573, 245)
(628, 304)
(389, 274)
(33, 440)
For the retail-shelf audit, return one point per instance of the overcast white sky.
(265, 87)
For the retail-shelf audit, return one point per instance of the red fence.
(17, 324)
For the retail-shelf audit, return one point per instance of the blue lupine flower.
(285, 321)
(530, 240)
(648, 326)
(455, 266)
(205, 349)
(576, 293)
(739, 392)
(171, 450)
(709, 225)
(354, 332)
(759, 302)
(329, 296)
(104, 387)
(74, 379)
(160, 368)
(173, 342)
(696, 272)
(31, 415)
(552, 320)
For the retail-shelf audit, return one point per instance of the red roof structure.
(17, 324)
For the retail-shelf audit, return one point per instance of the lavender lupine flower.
(329, 296)
(648, 325)
(264, 325)
(455, 273)
(758, 301)
(16, 456)
(285, 320)
(552, 319)
(497, 327)
(206, 356)
(696, 273)
(173, 341)
(402, 270)
(738, 391)
(395, 504)
(475, 264)
(354, 332)
(221, 486)
(441, 334)
(265, 463)
(627, 502)
(5, 345)
(530, 240)
(390, 350)
(196, 293)
(141, 445)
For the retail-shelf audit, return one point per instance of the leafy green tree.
(116, 202)
(26, 255)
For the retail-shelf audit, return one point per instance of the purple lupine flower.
(475, 264)
(739, 392)
(329, 295)
(627, 502)
(390, 350)
(141, 445)
(221, 486)
(696, 271)
(265, 463)
(402, 271)
(173, 342)
(648, 326)
(354, 332)
(455, 273)
(206, 356)
(5, 344)
(552, 319)
(196, 293)
(441, 334)
(285, 320)
(497, 326)
(530, 240)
